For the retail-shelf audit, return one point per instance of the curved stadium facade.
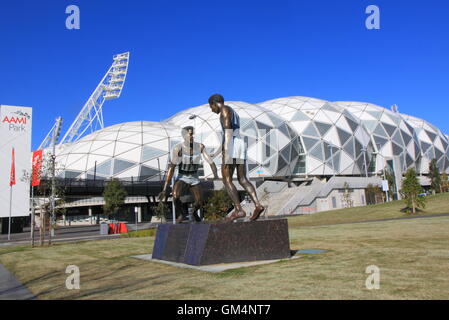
(286, 138)
(302, 155)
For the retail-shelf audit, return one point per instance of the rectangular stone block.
(204, 243)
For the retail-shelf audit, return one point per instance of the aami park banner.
(15, 132)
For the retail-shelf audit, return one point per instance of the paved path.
(11, 288)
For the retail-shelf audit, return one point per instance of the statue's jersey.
(237, 148)
(190, 158)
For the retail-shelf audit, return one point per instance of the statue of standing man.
(234, 157)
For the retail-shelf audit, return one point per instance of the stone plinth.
(204, 243)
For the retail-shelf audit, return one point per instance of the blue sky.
(184, 51)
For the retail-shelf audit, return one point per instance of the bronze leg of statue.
(227, 171)
(177, 190)
(196, 192)
(249, 188)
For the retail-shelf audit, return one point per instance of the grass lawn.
(413, 257)
(437, 204)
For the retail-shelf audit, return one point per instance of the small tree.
(114, 197)
(411, 188)
(217, 206)
(347, 197)
(161, 209)
(373, 193)
(434, 176)
(444, 182)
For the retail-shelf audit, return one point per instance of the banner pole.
(32, 216)
(10, 207)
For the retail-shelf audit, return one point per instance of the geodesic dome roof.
(131, 149)
(273, 146)
(391, 134)
(434, 144)
(332, 137)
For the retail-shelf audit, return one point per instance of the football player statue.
(234, 157)
(186, 156)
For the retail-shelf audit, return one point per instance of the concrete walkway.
(11, 288)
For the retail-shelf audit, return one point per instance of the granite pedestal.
(204, 244)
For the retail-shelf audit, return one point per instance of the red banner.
(36, 169)
(12, 177)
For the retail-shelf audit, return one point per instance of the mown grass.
(437, 204)
(413, 257)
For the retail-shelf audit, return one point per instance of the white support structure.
(52, 136)
(110, 87)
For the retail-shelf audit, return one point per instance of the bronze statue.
(186, 156)
(234, 157)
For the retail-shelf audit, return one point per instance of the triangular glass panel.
(146, 172)
(286, 153)
(311, 131)
(299, 116)
(349, 148)
(262, 126)
(105, 168)
(284, 130)
(390, 129)
(397, 150)
(317, 152)
(406, 137)
(425, 146)
(431, 135)
(343, 135)
(397, 138)
(309, 143)
(327, 106)
(150, 153)
(380, 131)
(323, 128)
(354, 125)
(121, 165)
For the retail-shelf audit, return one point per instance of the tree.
(444, 182)
(373, 193)
(411, 188)
(218, 205)
(43, 194)
(114, 197)
(434, 176)
(161, 208)
(347, 198)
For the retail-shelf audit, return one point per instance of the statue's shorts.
(238, 149)
(190, 179)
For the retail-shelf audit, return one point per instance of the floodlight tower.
(110, 87)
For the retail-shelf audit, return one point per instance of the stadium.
(302, 152)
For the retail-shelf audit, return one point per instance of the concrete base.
(207, 244)
(213, 267)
